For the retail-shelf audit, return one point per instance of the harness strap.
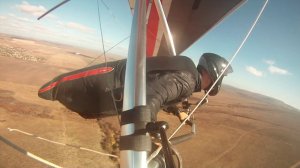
(138, 141)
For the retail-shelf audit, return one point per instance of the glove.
(182, 115)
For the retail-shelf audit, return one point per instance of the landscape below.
(235, 129)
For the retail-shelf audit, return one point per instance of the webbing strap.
(138, 141)
(135, 142)
(137, 114)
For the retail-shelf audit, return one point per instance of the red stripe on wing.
(152, 29)
(84, 74)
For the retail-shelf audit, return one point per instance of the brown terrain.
(235, 129)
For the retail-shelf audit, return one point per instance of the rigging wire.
(108, 50)
(104, 53)
(115, 18)
(101, 33)
(111, 12)
(115, 106)
(231, 60)
(102, 37)
(62, 144)
(27, 153)
(56, 6)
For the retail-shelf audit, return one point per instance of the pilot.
(97, 91)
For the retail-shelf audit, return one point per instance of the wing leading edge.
(188, 20)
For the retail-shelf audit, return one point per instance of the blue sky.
(267, 64)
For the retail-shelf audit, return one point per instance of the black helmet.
(214, 65)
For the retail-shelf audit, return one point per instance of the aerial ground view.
(253, 121)
(235, 129)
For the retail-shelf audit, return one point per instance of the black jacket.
(90, 91)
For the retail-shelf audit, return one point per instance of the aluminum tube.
(166, 29)
(135, 82)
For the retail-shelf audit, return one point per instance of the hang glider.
(188, 20)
